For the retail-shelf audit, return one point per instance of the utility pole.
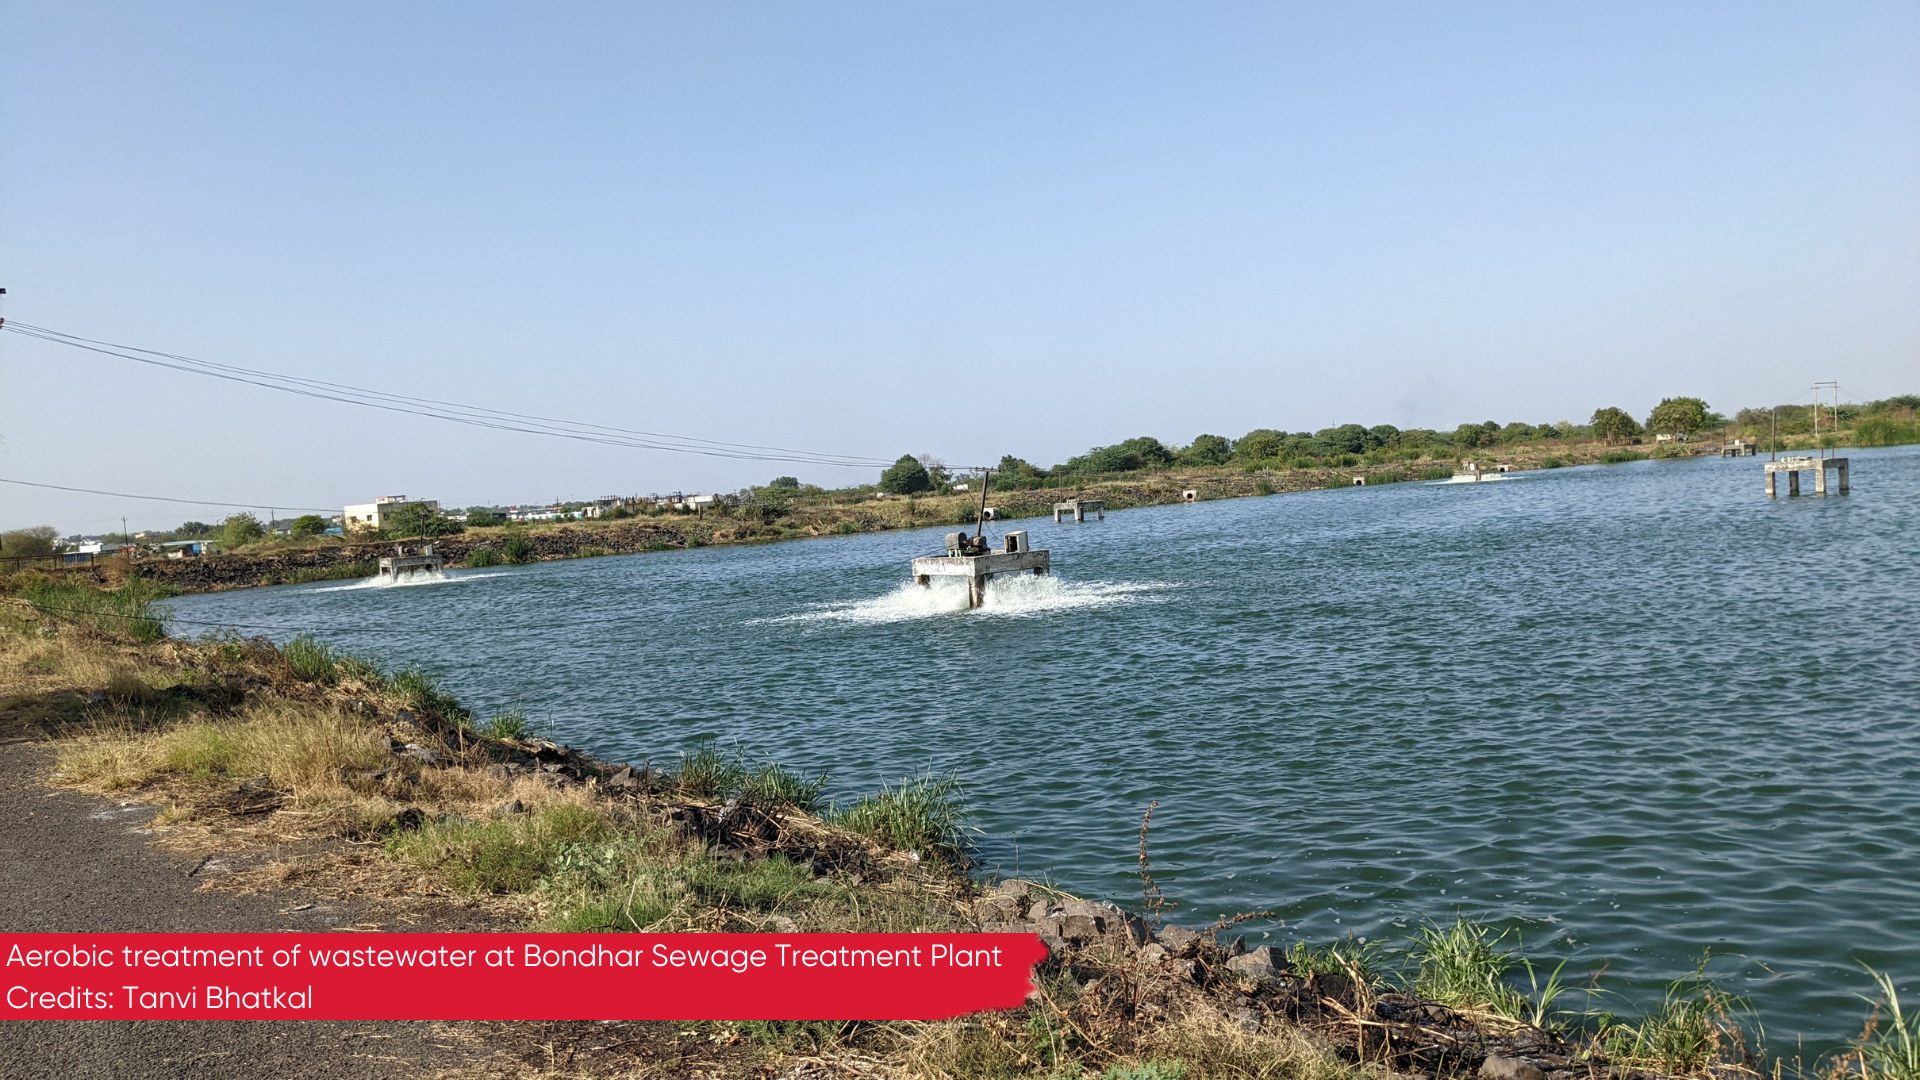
(124, 538)
(1817, 387)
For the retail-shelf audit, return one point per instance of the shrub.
(37, 540)
(484, 555)
(1552, 463)
(307, 525)
(519, 549)
(1885, 431)
(479, 515)
(906, 477)
(241, 528)
(1615, 457)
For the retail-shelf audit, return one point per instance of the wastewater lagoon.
(1629, 713)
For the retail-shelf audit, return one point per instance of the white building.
(372, 515)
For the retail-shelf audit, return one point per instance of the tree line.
(1347, 444)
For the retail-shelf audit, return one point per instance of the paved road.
(70, 862)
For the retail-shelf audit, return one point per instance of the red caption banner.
(514, 976)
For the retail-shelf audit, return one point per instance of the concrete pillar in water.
(1793, 483)
(1820, 479)
(1772, 493)
(1843, 476)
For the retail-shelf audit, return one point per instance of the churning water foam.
(1010, 595)
(420, 577)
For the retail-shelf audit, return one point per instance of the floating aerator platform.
(969, 557)
(399, 564)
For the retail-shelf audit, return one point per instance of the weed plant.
(1462, 966)
(1889, 1048)
(1616, 457)
(422, 692)
(312, 660)
(518, 549)
(511, 724)
(483, 556)
(923, 814)
(130, 611)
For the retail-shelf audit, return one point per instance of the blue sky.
(965, 230)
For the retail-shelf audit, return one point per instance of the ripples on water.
(1630, 712)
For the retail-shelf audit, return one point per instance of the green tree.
(1468, 436)
(906, 477)
(1013, 471)
(191, 529)
(1259, 444)
(1614, 425)
(241, 528)
(308, 525)
(417, 519)
(35, 540)
(1346, 439)
(1143, 452)
(1678, 416)
(483, 515)
(1207, 450)
(792, 483)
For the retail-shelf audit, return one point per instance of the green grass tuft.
(519, 549)
(130, 611)
(1889, 1049)
(1462, 966)
(708, 773)
(311, 660)
(923, 814)
(422, 692)
(1615, 457)
(511, 724)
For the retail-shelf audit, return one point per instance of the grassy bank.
(400, 795)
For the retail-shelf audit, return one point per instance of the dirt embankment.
(763, 524)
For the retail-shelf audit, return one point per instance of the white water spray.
(420, 577)
(1011, 595)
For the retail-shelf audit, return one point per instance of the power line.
(162, 498)
(452, 412)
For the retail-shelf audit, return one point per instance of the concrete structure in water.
(1078, 508)
(1794, 466)
(394, 566)
(968, 557)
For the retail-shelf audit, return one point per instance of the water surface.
(1629, 712)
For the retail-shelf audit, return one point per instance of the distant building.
(373, 515)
